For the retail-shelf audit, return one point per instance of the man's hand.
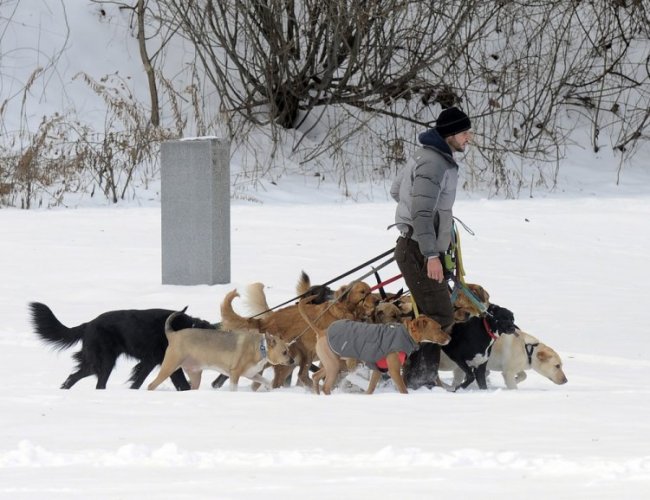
(434, 269)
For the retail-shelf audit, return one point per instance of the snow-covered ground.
(573, 270)
(571, 264)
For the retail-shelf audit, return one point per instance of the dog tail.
(230, 320)
(304, 283)
(305, 316)
(255, 300)
(170, 320)
(304, 288)
(51, 330)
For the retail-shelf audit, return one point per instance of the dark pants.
(433, 299)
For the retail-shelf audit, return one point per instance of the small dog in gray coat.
(369, 342)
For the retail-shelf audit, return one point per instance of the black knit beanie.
(452, 121)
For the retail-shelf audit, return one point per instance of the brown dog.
(233, 353)
(369, 342)
(288, 325)
(387, 312)
(464, 308)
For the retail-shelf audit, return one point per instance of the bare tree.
(270, 60)
(341, 88)
(147, 28)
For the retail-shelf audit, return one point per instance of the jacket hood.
(433, 139)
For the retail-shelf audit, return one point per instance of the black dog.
(139, 334)
(470, 346)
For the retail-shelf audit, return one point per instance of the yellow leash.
(415, 307)
(460, 269)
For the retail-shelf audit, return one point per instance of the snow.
(570, 262)
(572, 270)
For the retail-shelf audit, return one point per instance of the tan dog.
(370, 342)
(288, 325)
(512, 355)
(464, 308)
(233, 353)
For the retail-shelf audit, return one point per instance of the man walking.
(425, 192)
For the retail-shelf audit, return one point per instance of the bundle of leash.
(324, 331)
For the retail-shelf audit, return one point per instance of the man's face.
(458, 142)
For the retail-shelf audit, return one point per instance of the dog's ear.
(480, 292)
(271, 341)
(414, 330)
(543, 355)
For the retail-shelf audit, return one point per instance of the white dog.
(512, 355)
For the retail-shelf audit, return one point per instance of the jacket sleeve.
(397, 182)
(427, 186)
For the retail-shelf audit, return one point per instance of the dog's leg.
(469, 374)
(195, 378)
(179, 380)
(332, 368)
(142, 370)
(303, 372)
(262, 381)
(510, 379)
(234, 381)
(374, 380)
(459, 376)
(75, 377)
(218, 382)
(481, 377)
(171, 362)
(281, 372)
(317, 377)
(104, 371)
(395, 371)
(139, 373)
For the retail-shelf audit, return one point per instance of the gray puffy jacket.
(425, 191)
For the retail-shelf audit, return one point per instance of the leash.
(459, 276)
(347, 273)
(382, 284)
(345, 292)
(456, 250)
(460, 286)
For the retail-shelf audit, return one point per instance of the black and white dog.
(471, 342)
(138, 333)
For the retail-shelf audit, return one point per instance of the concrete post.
(195, 211)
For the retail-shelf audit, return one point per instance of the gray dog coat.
(368, 342)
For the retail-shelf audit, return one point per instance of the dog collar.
(529, 351)
(263, 346)
(488, 329)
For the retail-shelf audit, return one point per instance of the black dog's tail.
(170, 319)
(51, 330)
